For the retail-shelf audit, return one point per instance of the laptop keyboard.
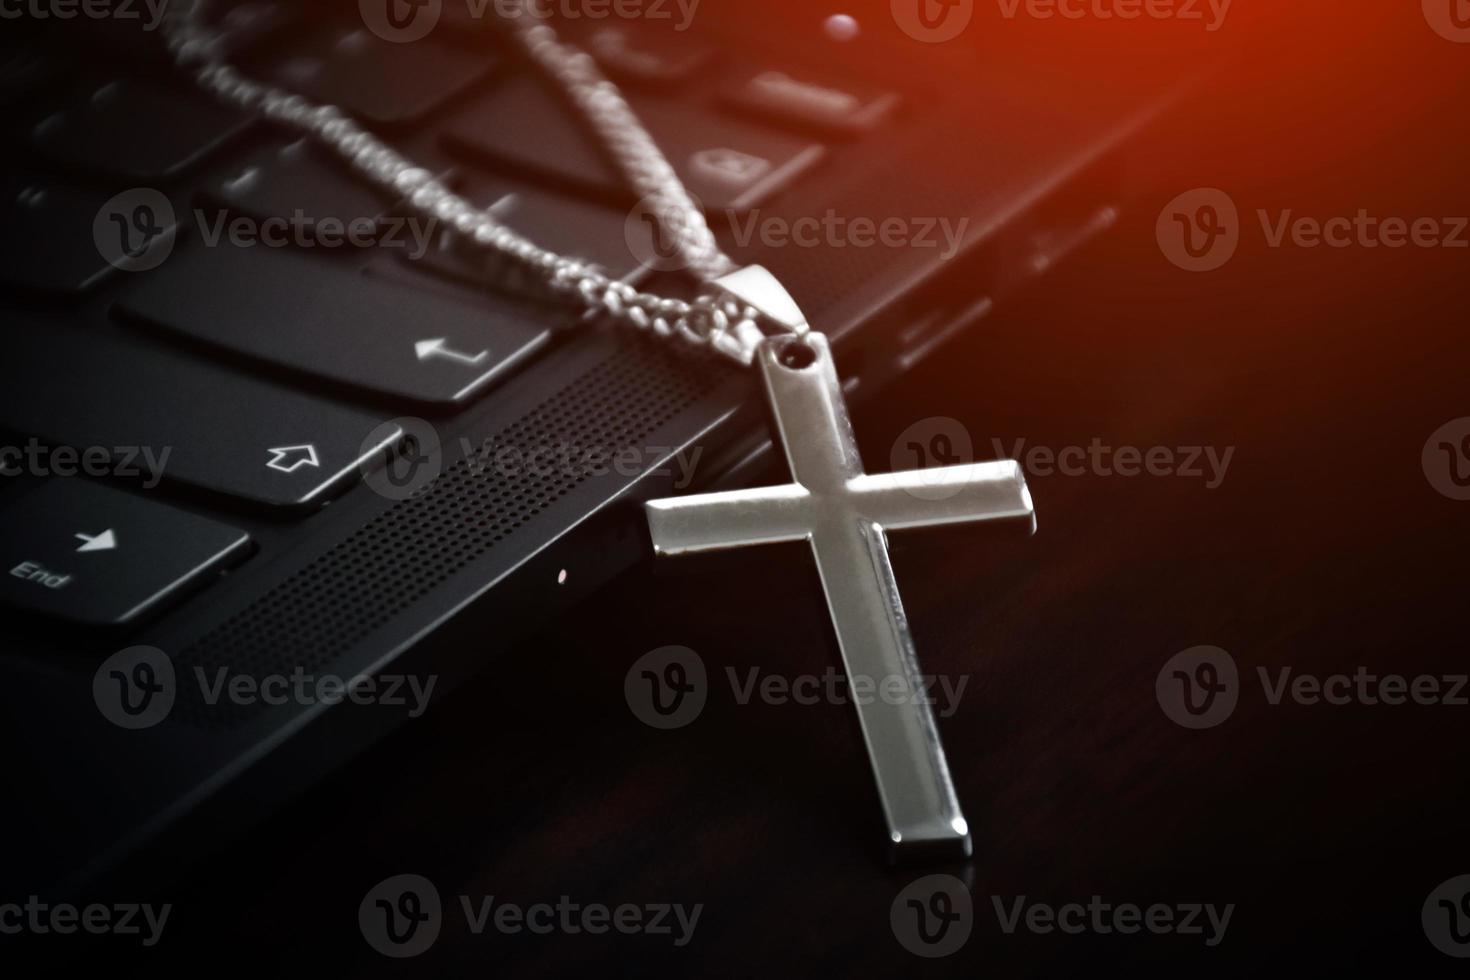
(268, 371)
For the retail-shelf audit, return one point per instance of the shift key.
(208, 427)
(99, 556)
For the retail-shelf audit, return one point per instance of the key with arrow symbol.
(106, 541)
(48, 571)
(438, 347)
(367, 332)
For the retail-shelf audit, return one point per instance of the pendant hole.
(797, 355)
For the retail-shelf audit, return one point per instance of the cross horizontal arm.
(944, 495)
(713, 521)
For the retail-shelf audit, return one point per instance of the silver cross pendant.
(844, 514)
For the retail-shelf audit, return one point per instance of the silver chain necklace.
(840, 511)
(715, 319)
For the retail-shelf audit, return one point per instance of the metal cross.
(844, 514)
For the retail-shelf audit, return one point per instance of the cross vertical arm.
(914, 785)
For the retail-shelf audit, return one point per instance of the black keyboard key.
(224, 432)
(381, 82)
(99, 556)
(810, 102)
(330, 321)
(654, 58)
(724, 163)
(22, 71)
(117, 29)
(52, 239)
(245, 25)
(567, 225)
(132, 31)
(138, 130)
(297, 181)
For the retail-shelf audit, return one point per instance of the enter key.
(325, 319)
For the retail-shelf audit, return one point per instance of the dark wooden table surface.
(1323, 549)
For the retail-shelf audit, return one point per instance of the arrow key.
(134, 556)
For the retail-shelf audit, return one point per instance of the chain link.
(711, 320)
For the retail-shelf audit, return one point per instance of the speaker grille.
(349, 592)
